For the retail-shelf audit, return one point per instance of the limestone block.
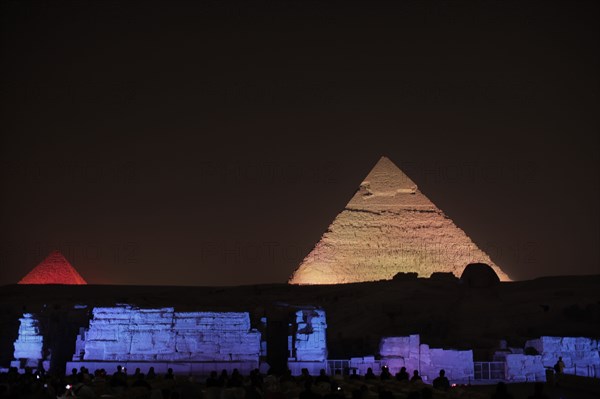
(394, 346)
(457, 364)
(520, 368)
(578, 352)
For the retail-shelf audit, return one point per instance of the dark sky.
(210, 143)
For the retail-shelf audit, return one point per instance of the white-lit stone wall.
(580, 355)
(127, 333)
(524, 368)
(310, 341)
(29, 344)
(398, 352)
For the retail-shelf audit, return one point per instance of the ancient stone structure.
(397, 352)
(200, 342)
(580, 355)
(389, 226)
(308, 344)
(55, 269)
(188, 342)
(524, 368)
(29, 346)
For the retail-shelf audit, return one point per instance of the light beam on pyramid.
(388, 227)
(55, 269)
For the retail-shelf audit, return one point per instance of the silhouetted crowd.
(99, 384)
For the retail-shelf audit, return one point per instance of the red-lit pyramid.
(55, 269)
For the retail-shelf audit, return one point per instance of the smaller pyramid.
(55, 269)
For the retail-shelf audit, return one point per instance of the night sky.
(212, 143)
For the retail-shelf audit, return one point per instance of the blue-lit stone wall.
(126, 333)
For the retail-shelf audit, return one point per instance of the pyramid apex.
(386, 179)
(54, 269)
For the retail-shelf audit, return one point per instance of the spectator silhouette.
(236, 379)
(287, 376)
(501, 392)
(119, 378)
(140, 382)
(335, 392)
(402, 375)
(223, 378)
(256, 378)
(151, 374)
(212, 380)
(322, 377)
(441, 382)
(538, 391)
(385, 373)
(369, 375)
(416, 377)
(354, 376)
(360, 393)
(308, 393)
(252, 392)
(426, 393)
(559, 367)
(169, 375)
(305, 377)
(385, 393)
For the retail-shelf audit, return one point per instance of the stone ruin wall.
(200, 342)
(398, 352)
(308, 345)
(181, 340)
(580, 355)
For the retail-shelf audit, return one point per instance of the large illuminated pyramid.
(389, 226)
(55, 269)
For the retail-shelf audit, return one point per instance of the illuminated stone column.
(309, 343)
(29, 344)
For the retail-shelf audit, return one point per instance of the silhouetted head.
(442, 372)
(426, 393)
(416, 373)
(403, 369)
(501, 387)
